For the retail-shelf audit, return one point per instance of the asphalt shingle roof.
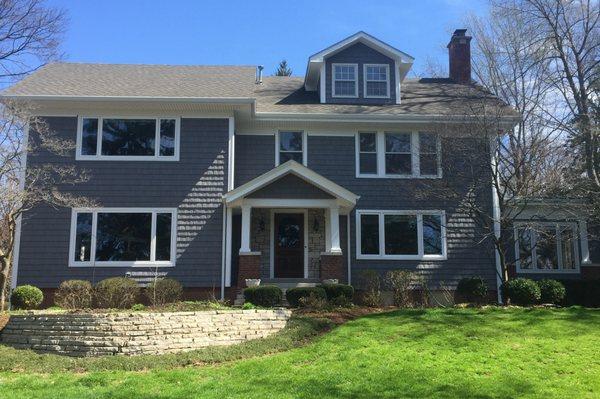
(275, 94)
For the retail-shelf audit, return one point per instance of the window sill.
(547, 271)
(123, 264)
(126, 158)
(401, 257)
(379, 97)
(363, 176)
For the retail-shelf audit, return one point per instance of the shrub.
(313, 301)
(26, 297)
(472, 289)
(116, 293)
(582, 293)
(293, 295)
(74, 294)
(334, 291)
(551, 291)
(264, 295)
(399, 282)
(522, 291)
(340, 302)
(248, 305)
(163, 291)
(138, 307)
(370, 283)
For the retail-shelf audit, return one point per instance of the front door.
(289, 245)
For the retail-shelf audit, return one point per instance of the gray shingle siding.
(290, 187)
(359, 54)
(254, 155)
(334, 158)
(194, 185)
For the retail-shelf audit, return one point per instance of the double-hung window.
(398, 154)
(103, 138)
(345, 80)
(376, 80)
(123, 237)
(547, 248)
(401, 235)
(290, 145)
(367, 158)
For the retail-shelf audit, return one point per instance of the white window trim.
(420, 255)
(99, 157)
(304, 146)
(150, 263)
(333, 80)
(556, 225)
(380, 146)
(387, 81)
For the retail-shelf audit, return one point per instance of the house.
(215, 174)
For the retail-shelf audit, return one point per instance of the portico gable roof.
(343, 196)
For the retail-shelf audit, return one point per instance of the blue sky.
(253, 32)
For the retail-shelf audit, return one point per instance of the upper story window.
(123, 237)
(345, 80)
(101, 138)
(400, 234)
(398, 155)
(377, 81)
(290, 145)
(547, 248)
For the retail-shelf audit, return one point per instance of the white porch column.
(583, 236)
(334, 223)
(246, 212)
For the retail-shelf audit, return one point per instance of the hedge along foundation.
(80, 334)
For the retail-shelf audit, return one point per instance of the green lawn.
(461, 353)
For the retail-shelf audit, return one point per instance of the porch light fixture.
(261, 224)
(315, 225)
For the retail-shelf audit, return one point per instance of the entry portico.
(288, 222)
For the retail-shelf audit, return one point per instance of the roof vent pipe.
(259, 70)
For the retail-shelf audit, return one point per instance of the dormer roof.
(403, 60)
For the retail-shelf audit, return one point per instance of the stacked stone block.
(139, 333)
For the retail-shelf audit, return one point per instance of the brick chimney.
(459, 54)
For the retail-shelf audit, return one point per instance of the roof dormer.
(358, 70)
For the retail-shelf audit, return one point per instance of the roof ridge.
(163, 65)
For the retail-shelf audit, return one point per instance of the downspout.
(496, 216)
(348, 251)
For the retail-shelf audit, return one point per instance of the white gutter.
(405, 118)
(197, 100)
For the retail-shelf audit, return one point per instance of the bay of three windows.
(401, 234)
(123, 237)
(397, 154)
(547, 247)
(128, 138)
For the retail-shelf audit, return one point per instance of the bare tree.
(30, 33)
(570, 33)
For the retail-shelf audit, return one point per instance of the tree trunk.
(4, 268)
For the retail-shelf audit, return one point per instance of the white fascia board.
(297, 169)
(366, 39)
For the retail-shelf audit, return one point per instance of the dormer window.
(377, 80)
(345, 80)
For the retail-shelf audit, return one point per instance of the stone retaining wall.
(81, 334)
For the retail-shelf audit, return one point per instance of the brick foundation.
(248, 267)
(332, 267)
(590, 272)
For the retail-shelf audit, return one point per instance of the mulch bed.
(343, 315)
